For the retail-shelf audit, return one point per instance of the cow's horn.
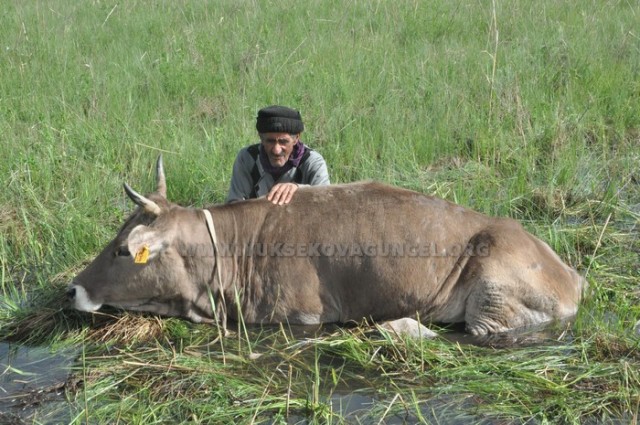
(146, 203)
(161, 182)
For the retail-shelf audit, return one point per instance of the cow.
(335, 254)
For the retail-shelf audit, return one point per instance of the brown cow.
(335, 254)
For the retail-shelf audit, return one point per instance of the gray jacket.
(313, 169)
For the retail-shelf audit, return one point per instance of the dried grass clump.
(39, 326)
(128, 328)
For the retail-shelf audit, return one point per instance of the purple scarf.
(294, 160)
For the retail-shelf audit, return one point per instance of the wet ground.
(32, 384)
(358, 403)
(34, 381)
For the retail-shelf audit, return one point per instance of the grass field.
(522, 109)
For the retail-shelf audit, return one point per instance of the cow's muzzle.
(80, 299)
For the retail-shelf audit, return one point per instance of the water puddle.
(554, 333)
(32, 384)
(365, 408)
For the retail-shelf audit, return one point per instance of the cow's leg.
(407, 327)
(494, 307)
(519, 282)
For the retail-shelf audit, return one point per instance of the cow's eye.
(123, 251)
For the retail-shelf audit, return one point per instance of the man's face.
(278, 146)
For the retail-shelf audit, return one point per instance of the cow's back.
(344, 252)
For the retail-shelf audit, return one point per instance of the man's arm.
(314, 172)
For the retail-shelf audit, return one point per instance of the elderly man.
(280, 163)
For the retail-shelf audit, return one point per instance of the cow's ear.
(146, 243)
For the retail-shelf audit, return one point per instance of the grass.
(528, 110)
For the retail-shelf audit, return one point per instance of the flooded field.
(323, 380)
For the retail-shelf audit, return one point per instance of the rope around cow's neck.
(221, 316)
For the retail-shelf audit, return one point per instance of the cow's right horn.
(146, 203)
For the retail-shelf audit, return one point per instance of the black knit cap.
(279, 119)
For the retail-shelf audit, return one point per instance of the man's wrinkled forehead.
(280, 138)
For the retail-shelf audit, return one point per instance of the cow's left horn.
(161, 182)
(146, 203)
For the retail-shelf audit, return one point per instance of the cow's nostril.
(71, 293)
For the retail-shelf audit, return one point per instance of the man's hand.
(281, 193)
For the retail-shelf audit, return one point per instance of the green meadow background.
(527, 109)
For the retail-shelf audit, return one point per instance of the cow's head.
(144, 267)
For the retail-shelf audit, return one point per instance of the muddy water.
(32, 384)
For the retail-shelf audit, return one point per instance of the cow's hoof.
(407, 327)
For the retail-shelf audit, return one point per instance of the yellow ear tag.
(142, 256)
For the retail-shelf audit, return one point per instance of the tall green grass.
(522, 109)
